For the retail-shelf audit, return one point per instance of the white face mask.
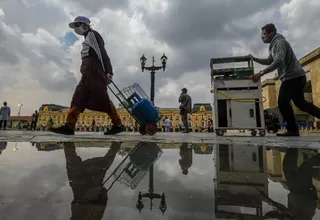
(79, 30)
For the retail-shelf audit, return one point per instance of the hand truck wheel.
(219, 132)
(254, 133)
(142, 130)
(262, 133)
(151, 129)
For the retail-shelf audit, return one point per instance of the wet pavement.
(307, 140)
(117, 180)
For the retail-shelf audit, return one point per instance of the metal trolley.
(139, 106)
(134, 167)
(238, 101)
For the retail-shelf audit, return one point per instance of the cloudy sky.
(40, 57)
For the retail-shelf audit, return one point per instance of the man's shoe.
(115, 130)
(289, 134)
(66, 130)
(185, 131)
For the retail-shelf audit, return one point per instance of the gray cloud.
(189, 32)
(31, 15)
(7, 57)
(198, 31)
(48, 61)
(98, 5)
(36, 191)
(188, 22)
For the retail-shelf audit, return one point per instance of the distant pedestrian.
(34, 120)
(167, 124)
(49, 124)
(5, 113)
(185, 108)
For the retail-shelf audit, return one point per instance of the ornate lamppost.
(151, 195)
(19, 112)
(153, 70)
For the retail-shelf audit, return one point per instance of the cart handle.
(235, 59)
(264, 99)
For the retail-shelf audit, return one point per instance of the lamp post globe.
(153, 70)
(164, 59)
(143, 61)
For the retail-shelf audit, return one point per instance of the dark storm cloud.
(65, 82)
(188, 21)
(198, 31)
(7, 57)
(97, 5)
(52, 70)
(50, 66)
(32, 15)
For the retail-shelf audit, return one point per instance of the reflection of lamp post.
(15, 147)
(153, 70)
(19, 112)
(151, 195)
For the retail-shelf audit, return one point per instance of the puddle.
(157, 181)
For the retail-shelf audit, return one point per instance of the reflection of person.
(186, 158)
(86, 180)
(3, 146)
(91, 92)
(302, 199)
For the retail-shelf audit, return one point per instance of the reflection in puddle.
(86, 180)
(157, 181)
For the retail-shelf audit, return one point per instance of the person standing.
(49, 124)
(34, 120)
(292, 76)
(91, 92)
(167, 124)
(5, 113)
(185, 108)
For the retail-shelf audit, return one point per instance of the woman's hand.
(110, 76)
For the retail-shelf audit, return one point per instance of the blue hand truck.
(139, 106)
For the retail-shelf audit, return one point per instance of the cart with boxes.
(238, 101)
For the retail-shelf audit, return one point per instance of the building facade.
(311, 65)
(23, 121)
(202, 112)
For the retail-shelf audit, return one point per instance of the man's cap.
(80, 19)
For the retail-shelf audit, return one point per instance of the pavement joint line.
(305, 141)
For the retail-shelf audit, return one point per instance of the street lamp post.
(151, 195)
(153, 70)
(19, 112)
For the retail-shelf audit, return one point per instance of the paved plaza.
(307, 140)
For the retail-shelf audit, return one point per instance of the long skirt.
(91, 92)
